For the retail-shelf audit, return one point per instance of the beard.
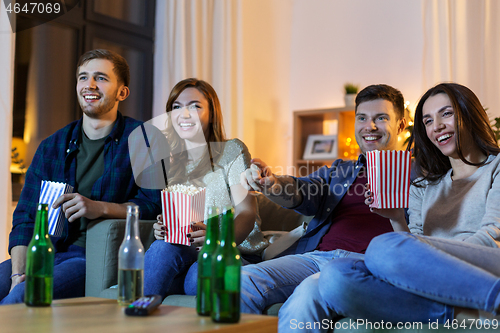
(105, 104)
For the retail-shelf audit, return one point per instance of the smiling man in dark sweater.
(343, 225)
(91, 155)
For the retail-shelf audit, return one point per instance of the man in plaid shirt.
(91, 155)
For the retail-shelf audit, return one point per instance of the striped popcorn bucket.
(179, 210)
(389, 177)
(49, 192)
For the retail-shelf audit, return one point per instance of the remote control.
(143, 306)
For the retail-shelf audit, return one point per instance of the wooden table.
(91, 314)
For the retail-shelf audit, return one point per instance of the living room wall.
(298, 54)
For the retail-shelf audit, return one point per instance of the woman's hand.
(197, 234)
(396, 215)
(159, 228)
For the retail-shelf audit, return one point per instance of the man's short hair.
(383, 91)
(120, 65)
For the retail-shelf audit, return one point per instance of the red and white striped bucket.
(389, 177)
(179, 210)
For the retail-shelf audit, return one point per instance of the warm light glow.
(410, 123)
(346, 154)
(348, 139)
(330, 127)
(21, 150)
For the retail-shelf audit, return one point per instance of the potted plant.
(351, 90)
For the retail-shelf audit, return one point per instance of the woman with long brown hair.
(201, 156)
(444, 263)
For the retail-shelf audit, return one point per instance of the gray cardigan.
(464, 209)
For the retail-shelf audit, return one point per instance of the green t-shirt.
(89, 167)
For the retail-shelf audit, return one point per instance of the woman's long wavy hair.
(179, 159)
(471, 121)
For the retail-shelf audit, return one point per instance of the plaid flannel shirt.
(55, 160)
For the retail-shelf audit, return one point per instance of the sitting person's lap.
(69, 277)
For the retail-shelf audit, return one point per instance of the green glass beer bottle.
(38, 287)
(226, 273)
(131, 260)
(205, 258)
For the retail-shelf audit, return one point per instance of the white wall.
(312, 47)
(266, 42)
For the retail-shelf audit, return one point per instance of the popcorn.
(184, 189)
(181, 205)
(389, 178)
(49, 192)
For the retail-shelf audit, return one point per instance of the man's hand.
(258, 177)
(75, 206)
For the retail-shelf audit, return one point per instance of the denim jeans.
(273, 281)
(69, 277)
(170, 269)
(411, 278)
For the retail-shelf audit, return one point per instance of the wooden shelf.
(309, 122)
(314, 161)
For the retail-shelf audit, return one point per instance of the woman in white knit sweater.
(446, 262)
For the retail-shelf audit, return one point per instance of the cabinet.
(323, 121)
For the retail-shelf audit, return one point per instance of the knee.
(160, 250)
(253, 290)
(248, 274)
(389, 252)
(337, 283)
(306, 292)
(15, 296)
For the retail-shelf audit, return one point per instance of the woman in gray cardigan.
(445, 263)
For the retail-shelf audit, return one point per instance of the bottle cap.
(43, 206)
(132, 209)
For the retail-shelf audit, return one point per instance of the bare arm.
(244, 218)
(244, 212)
(18, 260)
(282, 190)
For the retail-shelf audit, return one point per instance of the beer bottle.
(131, 260)
(205, 258)
(226, 272)
(38, 287)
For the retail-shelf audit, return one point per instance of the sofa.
(105, 236)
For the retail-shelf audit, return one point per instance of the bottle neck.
(132, 227)
(227, 228)
(42, 221)
(212, 228)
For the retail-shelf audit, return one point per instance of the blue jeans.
(69, 277)
(411, 278)
(273, 281)
(170, 269)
